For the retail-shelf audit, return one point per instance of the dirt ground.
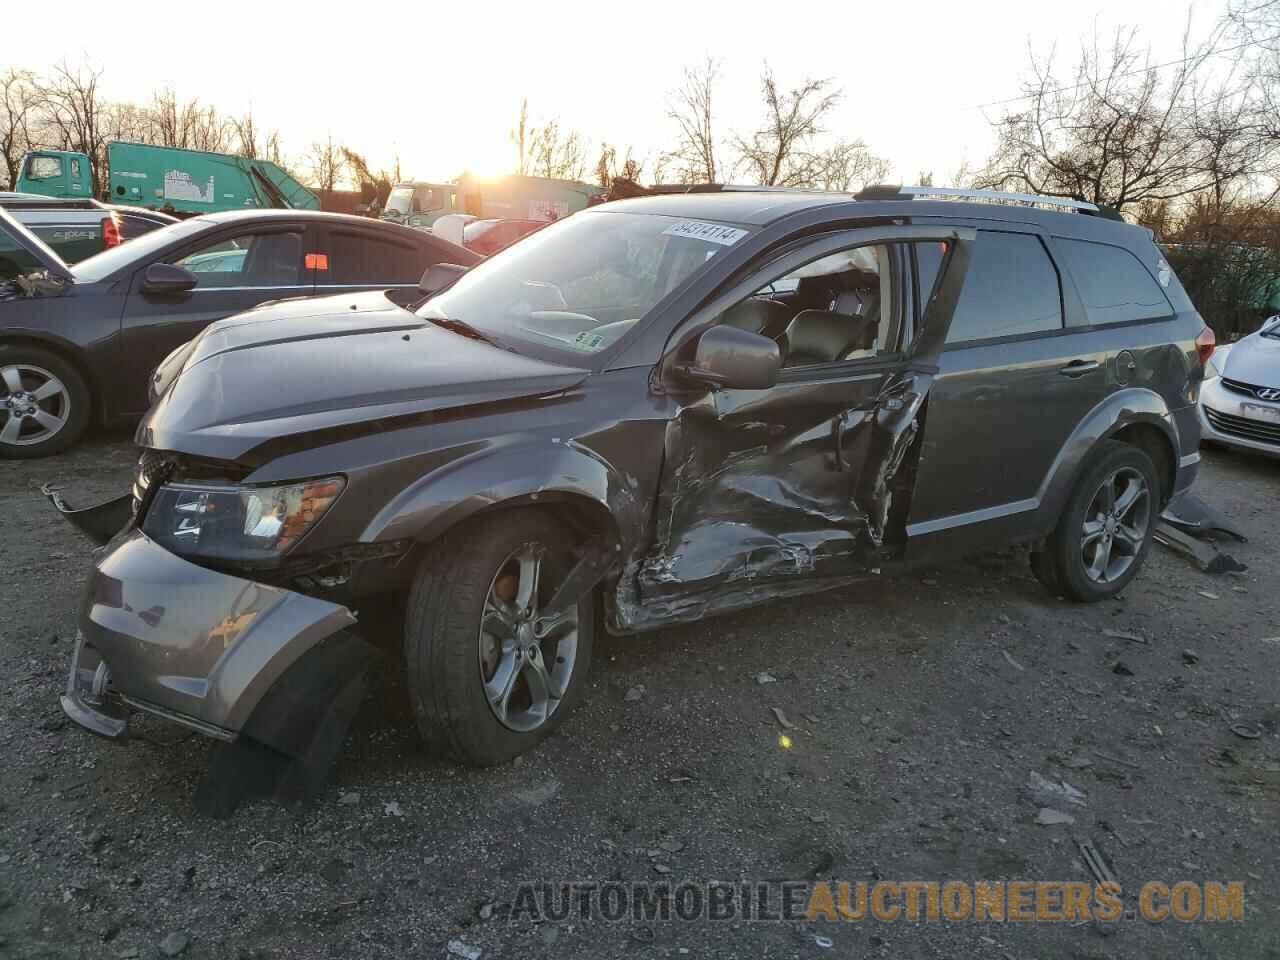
(920, 708)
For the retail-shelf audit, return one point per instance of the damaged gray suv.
(651, 412)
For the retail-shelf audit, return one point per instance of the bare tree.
(694, 160)
(556, 154)
(846, 165)
(245, 130)
(610, 168)
(519, 136)
(73, 112)
(126, 121)
(18, 102)
(777, 153)
(1123, 131)
(188, 126)
(327, 164)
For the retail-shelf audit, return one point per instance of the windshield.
(399, 201)
(576, 287)
(102, 265)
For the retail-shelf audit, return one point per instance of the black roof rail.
(893, 192)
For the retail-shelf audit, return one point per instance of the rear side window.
(1116, 287)
(357, 258)
(1011, 289)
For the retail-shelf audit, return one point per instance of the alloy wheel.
(1115, 525)
(527, 651)
(35, 404)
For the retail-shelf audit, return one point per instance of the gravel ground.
(920, 708)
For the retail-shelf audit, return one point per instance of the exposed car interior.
(844, 306)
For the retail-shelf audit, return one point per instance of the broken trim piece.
(99, 523)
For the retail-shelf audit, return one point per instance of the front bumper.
(1235, 420)
(162, 635)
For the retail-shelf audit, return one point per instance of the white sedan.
(1240, 397)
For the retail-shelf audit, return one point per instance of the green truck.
(419, 204)
(185, 182)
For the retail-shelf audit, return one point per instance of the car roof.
(317, 216)
(755, 208)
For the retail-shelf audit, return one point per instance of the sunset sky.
(441, 85)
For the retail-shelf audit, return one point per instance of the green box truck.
(166, 178)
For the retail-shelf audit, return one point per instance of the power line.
(1130, 73)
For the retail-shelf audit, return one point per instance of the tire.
(1095, 564)
(455, 669)
(27, 418)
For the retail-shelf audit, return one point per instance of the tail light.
(110, 233)
(1205, 344)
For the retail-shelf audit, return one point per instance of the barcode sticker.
(710, 232)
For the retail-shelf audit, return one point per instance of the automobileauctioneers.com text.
(885, 901)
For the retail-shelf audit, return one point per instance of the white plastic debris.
(1055, 791)
(459, 949)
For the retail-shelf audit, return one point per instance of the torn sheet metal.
(1190, 514)
(99, 523)
(775, 493)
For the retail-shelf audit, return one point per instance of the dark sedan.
(78, 343)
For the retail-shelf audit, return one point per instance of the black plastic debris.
(1188, 513)
(1188, 525)
(1205, 556)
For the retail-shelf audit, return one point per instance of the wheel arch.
(70, 353)
(568, 480)
(1137, 416)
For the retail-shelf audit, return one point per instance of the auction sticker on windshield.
(711, 232)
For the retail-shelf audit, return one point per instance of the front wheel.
(493, 667)
(1105, 531)
(44, 403)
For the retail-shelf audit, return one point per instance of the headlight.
(229, 522)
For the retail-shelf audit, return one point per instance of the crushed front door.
(786, 490)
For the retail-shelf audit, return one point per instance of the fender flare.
(1124, 408)
(524, 471)
(69, 351)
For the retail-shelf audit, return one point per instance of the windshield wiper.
(464, 329)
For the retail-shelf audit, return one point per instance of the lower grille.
(1261, 431)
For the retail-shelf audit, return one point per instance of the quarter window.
(1116, 287)
(1011, 289)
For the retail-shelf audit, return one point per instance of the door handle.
(1078, 368)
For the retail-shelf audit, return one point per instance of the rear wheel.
(1105, 532)
(493, 668)
(44, 403)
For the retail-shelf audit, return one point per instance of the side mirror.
(735, 358)
(168, 278)
(439, 276)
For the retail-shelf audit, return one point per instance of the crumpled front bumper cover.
(199, 647)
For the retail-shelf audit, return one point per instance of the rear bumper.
(1234, 420)
(195, 646)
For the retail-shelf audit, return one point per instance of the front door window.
(252, 260)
